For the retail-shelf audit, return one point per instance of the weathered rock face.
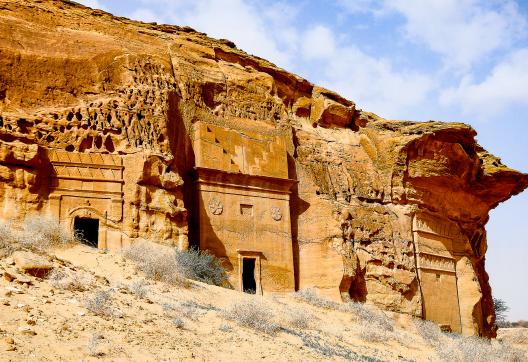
(106, 119)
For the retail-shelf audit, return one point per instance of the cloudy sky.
(453, 60)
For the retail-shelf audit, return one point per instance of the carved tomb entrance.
(88, 230)
(435, 240)
(86, 193)
(243, 198)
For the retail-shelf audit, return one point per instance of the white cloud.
(263, 31)
(318, 43)
(145, 15)
(506, 86)
(461, 31)
(371, 82)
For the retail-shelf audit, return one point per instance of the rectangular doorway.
(249, 284)
(88, 230)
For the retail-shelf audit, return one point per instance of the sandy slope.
(47, 323)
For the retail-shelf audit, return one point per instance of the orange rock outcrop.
(153, 131)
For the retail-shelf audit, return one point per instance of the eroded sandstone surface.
(160, 132)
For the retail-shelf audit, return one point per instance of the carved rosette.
(215, 206)
(276, 213)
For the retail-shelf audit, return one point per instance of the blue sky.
(453, 60)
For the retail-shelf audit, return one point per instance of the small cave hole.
(98, 142)
(79, 116)
(70, 148)
(86, 144)
(109, 144)
(69, 117)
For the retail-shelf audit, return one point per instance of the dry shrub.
(93, 345)
(101, 303)
(7, 239)
(139, 288)
(160, 263)
(41, 234)
(369, 316)
(178, 322)
(155, 261)
(310, 296)
(429, 331)
(374, 325)
(201, 265)
(514, 335)
(71, 280)
(296, 318)
(253, 314)
(454, 347)
(38, 234)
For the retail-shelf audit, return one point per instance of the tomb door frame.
(87, 212)
(247, 254)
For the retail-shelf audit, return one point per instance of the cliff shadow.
(297, 207)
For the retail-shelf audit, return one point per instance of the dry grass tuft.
(71, 280)
(156, 262)
(101, 303)
(38, 234)
(201, 266)
(174, 266)
(139, 288)
(310, 296)
(454, 347)
(254, 314)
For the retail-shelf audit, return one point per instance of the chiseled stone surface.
(160, 132)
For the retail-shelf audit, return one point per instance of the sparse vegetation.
(93, 345)
(455, 347)
(500, 312)
(310, 296)
(224, 327)
(38, 234)
(297, 318)
(156, 262)
(159, 263)
(139, 288)
(7, 239)
(178, 322)
(71, 280)
(252, 313)
(100, 303)
(201, 265)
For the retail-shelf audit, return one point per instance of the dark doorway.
(248, 276)
(87, 230)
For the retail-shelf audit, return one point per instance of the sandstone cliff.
(389, 212)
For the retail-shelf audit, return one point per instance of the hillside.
(97, 306)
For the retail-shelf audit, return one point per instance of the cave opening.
(87, 230)
(249, 285)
